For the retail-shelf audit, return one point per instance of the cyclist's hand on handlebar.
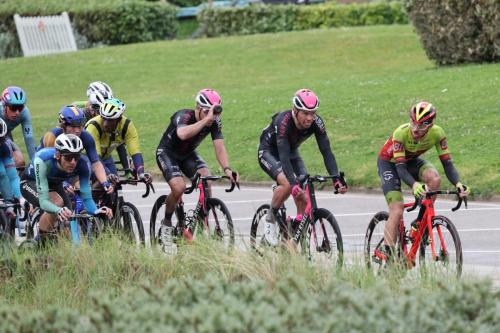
(146, 177)
(419, 189)
(104, 211)
(339, 185)
(114, 179)
(234, 176)
(463, 190)
(64, 214)
(108, 187)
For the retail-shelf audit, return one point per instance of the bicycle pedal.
(187, 235)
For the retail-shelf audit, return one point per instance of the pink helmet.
(305, 100)
(208, 97)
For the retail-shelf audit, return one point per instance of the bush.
(458, 31)
(105, 22)
(265, 18)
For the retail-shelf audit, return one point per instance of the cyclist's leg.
(193, 164)
(299, 169)
(172, 173)
(391, 186)
(428, 174)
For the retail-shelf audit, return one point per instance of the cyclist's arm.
(94, 132)
(85, 190)
(10, 168)
(29, 139)
(42, 187)
(133, 148)
(5, 182)
(324, 148)
(221, 153)
(185, 131)
(445, 157)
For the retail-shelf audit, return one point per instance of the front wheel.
(447, 247)
(323, 240)
(219, 222)
(131, 223)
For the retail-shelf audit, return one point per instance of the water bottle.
(413, 230)
(78, 204)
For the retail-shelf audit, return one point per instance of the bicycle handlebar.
(135, 181)
(197, 177)
(320, 179)
(429, 194)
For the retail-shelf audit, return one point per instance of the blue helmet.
(13, 96)
(71, 115)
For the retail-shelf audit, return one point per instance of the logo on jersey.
(397, 146)
(387, 175)
(321, 124)
(444, 144)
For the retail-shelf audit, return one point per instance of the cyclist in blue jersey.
(71, 121)
(14, 112)
(9, 180)
(43, 184)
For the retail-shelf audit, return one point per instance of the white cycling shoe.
(167, 244)
(270, 234)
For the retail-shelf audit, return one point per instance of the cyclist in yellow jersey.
(399, 160)
(111, 129)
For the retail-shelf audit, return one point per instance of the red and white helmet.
(206, 98)
(423, 112)
(305, 100)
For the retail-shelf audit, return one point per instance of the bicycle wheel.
(219, 222)
(374, 241)
(257, 227)
(323, 240)
(131, 223)
(4, 227)
(156, 220)
(447, 246)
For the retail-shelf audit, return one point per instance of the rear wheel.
(374, 242)
(257, 227)
(447, 247)
(131, 223)
(323, 240)
(157, 217)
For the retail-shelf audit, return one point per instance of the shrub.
(105, 22)
(458, 31)
(269, 18)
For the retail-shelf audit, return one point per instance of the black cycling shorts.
(269, 162)
(29, 192)
(172, 166)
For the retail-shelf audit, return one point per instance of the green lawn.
(366, 79)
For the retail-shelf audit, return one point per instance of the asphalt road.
(478, 225)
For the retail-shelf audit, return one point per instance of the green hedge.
(273, 18)
(458, 31)
(105, 22)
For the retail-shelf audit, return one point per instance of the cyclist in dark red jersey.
(279, 155)
(176, 154)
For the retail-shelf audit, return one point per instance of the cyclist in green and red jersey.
(399, 160)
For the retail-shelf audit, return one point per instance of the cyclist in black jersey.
(279, 155)
(176, 153)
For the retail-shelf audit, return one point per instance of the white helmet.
(3, 128)
(101, 87)
(98, 98)
(68, 143)
(112, 108)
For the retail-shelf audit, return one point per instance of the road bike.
(317, 234)
(210, 216)
(434, 238)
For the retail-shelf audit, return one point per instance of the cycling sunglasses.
(95, 107)
(217, 109)
(80, 123)
(70, 157)
(423, 125)
(16, 108)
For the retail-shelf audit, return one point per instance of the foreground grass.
(366, 78)
(113, 286)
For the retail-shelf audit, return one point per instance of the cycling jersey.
(46, 172)
(180, 148)
(401, 146)
(124, 133)
(9, 180)
(25, 120)
(282, 138)
(49, 139)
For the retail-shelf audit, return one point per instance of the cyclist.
(176, 152)
(15, 112)
(111, 129)
(97, 93)
(71, 121)
(9, 180)
(279, 155)
(43, 184)
(399, 160)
